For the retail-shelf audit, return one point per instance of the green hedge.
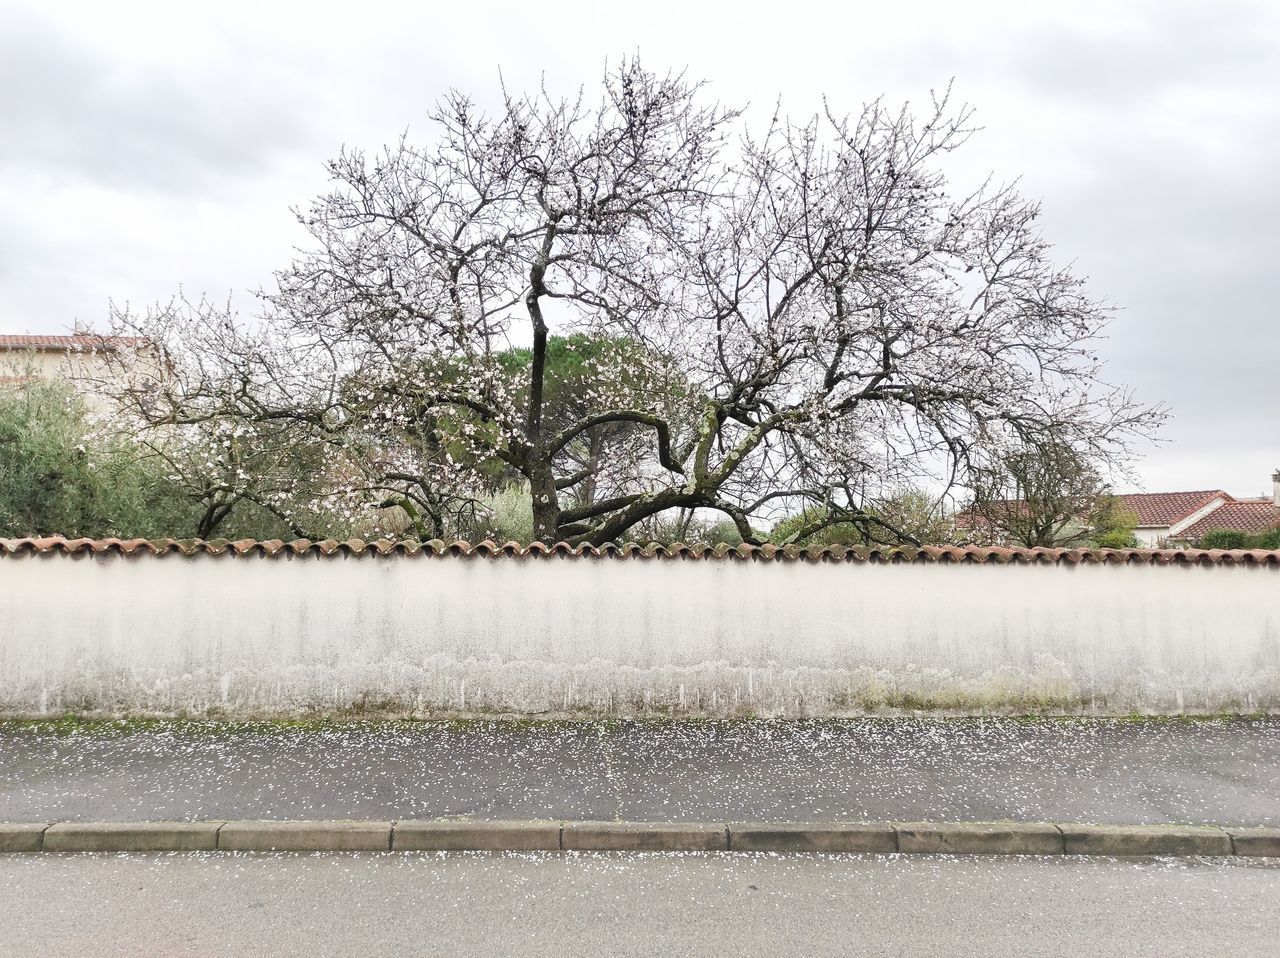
(1231, 539)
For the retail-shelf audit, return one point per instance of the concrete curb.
(927, 838)
(475, 836)
(644, 837)
(131, 837)
(1151, 840)
(304, 837)
(799, 837)
(980, 838)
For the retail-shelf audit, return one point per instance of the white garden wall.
(292, 635)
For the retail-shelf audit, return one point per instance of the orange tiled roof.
(66, 344)
(1239, 515)
(1152, 508)
(1167, 508)
(696, 551)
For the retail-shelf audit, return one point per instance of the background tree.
(839, 321)
(604, 459)
(1049, 496)
(909, 517)
(66, 471)
(1111, 524)
(237, 475)
(57, 477)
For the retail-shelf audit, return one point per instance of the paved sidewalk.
(1126, 772)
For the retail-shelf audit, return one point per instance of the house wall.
(45, 364)
(53, 365)
(1151, 537)
(59, 365)
(256, 636)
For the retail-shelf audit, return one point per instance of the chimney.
(1275, 487)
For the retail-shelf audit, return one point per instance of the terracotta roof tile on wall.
(1242, 515)
(1166, 508)
(696, 551)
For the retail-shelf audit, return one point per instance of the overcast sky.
(143, 146)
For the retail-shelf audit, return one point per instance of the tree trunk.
(595, 445)
(542, 481)
(546, 506)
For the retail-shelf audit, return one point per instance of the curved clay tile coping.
(632, 550)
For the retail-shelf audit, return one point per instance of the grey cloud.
(73, 111)
(1176, 44)
(1185, 242)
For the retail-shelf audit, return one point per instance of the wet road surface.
(476, 904)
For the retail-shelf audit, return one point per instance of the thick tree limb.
(659, 425)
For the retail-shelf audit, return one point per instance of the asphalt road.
(1128, 772)
(474, 904)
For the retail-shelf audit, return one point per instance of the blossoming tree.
(796, 317)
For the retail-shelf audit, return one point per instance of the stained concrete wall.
(423, 635)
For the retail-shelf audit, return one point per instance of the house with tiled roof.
(1164, 516)
(1180, 518)
(1251, 516)
(1164, 519)
(25, 357)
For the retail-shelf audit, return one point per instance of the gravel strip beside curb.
(955, 838)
